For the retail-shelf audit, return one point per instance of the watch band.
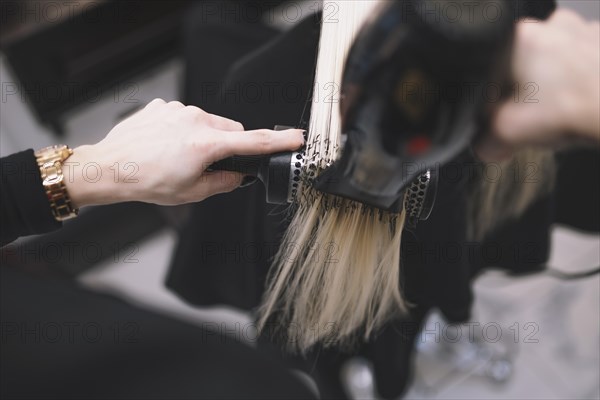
(50, 160)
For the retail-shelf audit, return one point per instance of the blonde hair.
(327, 284)
(513, 186)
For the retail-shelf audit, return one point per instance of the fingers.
(202, 117)
(160, 104)
(260, 141)
(174, 106)
(500, 144)
(224, 124)
(525, 124)
(216, 182)
(567, 19)
(515, 126)
(155, 103)
(227, 137)
(212, 120)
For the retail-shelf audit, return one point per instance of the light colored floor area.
(550, 343)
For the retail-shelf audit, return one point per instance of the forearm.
(159, 155)
(92, 181)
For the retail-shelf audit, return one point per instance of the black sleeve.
(24, 209)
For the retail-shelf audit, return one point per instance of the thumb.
(493, 147)
(523, 124)
(513, 126)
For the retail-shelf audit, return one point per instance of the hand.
(562, 58)
(160, 154)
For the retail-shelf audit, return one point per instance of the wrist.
(87, 180)
(582, 120)
(590, 125)
(50, 161)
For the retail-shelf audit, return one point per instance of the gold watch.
(50, 160)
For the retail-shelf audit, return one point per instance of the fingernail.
(304, 135)
(248, 180)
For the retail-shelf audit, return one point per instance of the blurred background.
(68, 79)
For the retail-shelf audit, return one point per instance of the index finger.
(256, 142)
